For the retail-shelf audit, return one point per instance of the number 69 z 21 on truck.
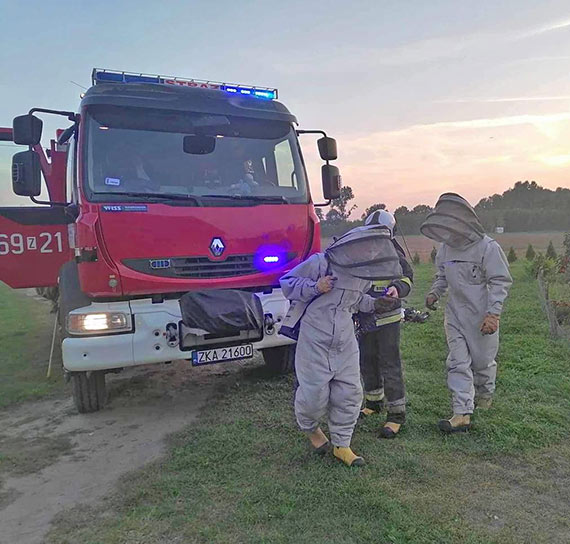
(161, 188)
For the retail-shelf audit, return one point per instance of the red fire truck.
(160, 186)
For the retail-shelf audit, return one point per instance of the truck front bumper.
(151, 339)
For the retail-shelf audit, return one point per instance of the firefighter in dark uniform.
(380, 362)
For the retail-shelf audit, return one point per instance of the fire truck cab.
(160, 186)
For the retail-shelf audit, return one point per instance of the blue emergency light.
(270, 94)
(270, 257)
(100, 75)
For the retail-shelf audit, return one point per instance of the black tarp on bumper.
(223, 312)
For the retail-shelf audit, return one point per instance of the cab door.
(34, 240)
(33, 245)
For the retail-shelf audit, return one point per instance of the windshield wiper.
(258, 198)
(151, 196)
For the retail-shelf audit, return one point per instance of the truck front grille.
(203, 267)
(198, 267)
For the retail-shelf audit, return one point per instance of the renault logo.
(217, 247)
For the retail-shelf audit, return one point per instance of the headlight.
(104, 323)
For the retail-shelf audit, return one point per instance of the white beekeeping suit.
(474, 269)
(327, 356)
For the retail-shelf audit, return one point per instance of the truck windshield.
(134, 155)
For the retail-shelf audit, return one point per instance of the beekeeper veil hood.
(453, 222)
(366, 253)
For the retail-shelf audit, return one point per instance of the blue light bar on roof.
(112, 76)
(270, 94)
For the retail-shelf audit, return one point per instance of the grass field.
(245, 473)
(559, 291)
(25, 336)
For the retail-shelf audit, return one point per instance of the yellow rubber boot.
(348, 457)
(374, 403)
(319, 441)
(459, 423)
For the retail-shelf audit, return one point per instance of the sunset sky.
(422, 96)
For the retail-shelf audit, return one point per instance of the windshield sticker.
(127, 208)
(113, 181)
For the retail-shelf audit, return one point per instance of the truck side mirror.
(327, 148)
(27, 129)
(332, 181)
(26, 174)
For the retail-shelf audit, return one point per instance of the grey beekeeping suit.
(473, 267)
(327, 357)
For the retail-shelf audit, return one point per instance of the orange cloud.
(475, 158)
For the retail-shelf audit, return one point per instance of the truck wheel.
(281, 359)
(88, 389)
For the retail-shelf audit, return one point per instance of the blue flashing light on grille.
(112, 76)
(270, 257)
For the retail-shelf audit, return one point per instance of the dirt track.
(65, 459)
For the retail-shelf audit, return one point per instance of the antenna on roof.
(83, 87)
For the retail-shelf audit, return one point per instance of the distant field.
(519, 240)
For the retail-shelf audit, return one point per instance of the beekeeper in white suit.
(325, 291)
(473, 267)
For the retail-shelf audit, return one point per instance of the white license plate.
(219, 355)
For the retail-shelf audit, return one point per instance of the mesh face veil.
(453, 222)
(366, 253)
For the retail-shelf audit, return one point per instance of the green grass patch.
(244, 473)
(25, 338)
(559, 290)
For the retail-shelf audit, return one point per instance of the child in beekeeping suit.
(325, 291)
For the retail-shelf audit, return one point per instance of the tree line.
(526, 207)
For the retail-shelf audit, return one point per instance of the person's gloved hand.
(490, 324)
(431, 300)
(385, 304)
(325, 284)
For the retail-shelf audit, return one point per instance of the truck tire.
(89, 392)
(281, 359)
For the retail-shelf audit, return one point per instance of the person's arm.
(301, 282)
(404, 284)
(366, 304)
(499, 280)
(439, 285)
